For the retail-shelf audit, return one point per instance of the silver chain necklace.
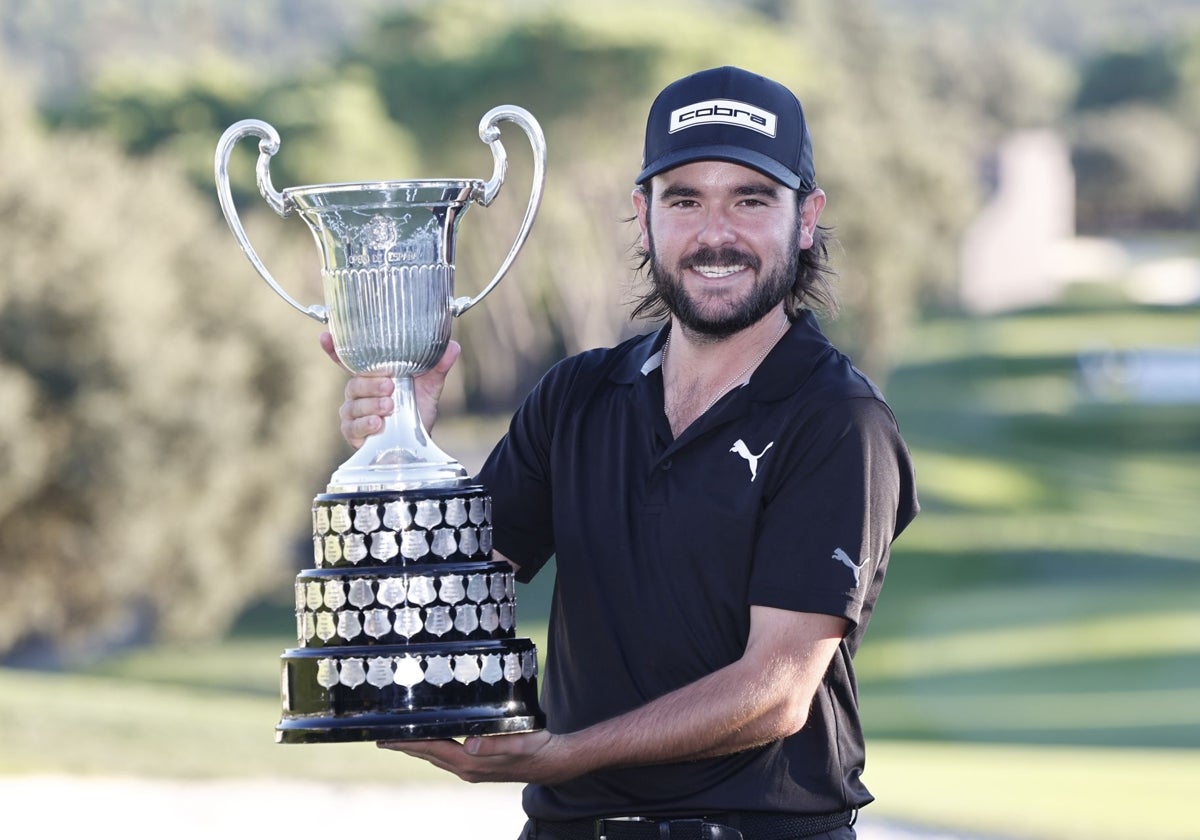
(741, 377)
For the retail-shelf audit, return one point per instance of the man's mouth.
(716, 272)
(716, 264)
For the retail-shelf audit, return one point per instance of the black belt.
(743, 825)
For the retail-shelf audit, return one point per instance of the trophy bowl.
(388, 276)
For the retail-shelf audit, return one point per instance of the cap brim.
(730, 154)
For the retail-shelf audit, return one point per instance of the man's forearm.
(762, 697)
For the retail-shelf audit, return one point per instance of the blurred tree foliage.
(59, 47)
(166, 418)
(1125, 74)
(1073, 28)
(899, 119)
(160, 438)
(1135, 132)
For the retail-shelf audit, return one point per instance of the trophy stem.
(401, 457)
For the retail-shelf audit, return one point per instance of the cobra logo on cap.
(727, 111)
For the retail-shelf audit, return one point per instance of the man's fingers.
(355, 408)
(357, 431)
(327, 345)
(453, 351)
(425, 749)
(365, 385)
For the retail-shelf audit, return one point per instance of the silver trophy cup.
(406, 625)
(388, 250)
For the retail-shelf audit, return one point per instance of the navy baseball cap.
(731, 115)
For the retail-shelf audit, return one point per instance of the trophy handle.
(268, 145)
(489, 133)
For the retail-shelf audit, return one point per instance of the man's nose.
(717, 229)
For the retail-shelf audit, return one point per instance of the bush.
(1135, 165)
(166, 420)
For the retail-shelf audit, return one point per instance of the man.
(720, 497)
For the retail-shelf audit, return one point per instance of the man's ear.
(641, 207)
(810, 214)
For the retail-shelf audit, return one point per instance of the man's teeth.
(716, 271)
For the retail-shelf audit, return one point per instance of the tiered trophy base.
(355, 696)
(406, 625)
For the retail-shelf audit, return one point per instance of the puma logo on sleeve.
(844, 558)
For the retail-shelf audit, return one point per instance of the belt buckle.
(601, 828)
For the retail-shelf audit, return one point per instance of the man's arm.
(763, 696)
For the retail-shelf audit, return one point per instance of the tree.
(1133, 128)
(1147, 74)
(165, 422)
(1136, 166)
(897, 162)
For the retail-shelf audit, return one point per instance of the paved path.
(140, 809)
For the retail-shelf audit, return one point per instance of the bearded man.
(721, 497)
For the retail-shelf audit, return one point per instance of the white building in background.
(1021, 250)
(1011, 253)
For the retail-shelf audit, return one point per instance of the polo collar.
(791, 362)
(643, 357)
(782, 372)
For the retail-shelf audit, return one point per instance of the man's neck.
(698, 370)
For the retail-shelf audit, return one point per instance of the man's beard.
(765, 295)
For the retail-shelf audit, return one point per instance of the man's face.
(723, 242)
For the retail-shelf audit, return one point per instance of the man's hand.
(369, 396)
(540, 757)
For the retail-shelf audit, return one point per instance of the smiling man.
(720, 496)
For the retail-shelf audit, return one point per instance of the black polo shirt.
(787, 493)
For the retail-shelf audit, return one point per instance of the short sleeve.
(517, 474)
(828, 524)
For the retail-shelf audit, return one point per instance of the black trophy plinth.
(407, 626)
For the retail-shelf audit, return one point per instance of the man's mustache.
(719, 257)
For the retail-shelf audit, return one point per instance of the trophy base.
(429, 726)
(352, 694)
(407, 624)
(384, 478)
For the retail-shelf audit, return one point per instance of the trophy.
(406, 624)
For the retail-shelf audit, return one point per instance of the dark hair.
(813, 287)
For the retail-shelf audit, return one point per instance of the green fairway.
(1032, 670)
(125, 726)
(1013, 790)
